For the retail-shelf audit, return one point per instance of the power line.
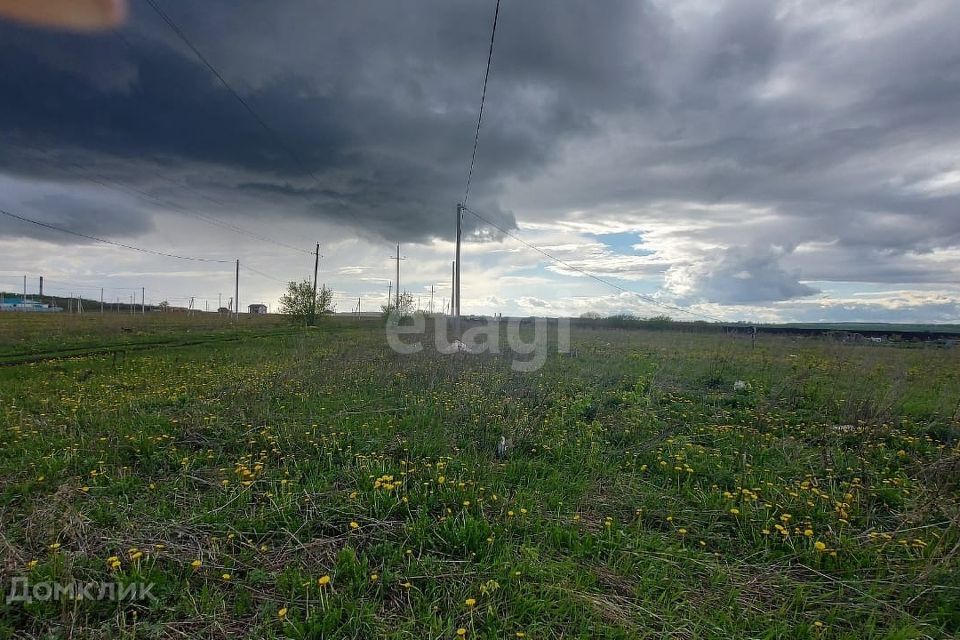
(111, 242)
(646, 298)
(483, 98)
(246, 105)
(261, 273)
(109, 183)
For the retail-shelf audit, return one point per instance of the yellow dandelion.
(196, 564)
(471, 602)
(282, 613)
(323, 581)
(734, 511)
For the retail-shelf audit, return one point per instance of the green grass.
(641, 497)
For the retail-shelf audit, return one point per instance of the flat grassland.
(278, 482)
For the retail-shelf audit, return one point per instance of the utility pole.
(457, 273)
(101, 300)
(313, 306)
(453, 285)
(358, 306)
(431, 299)
(219, 302)
(389, 293)
(24, 287)
(396, 294)
(41, 288)
(143, 300)
(236, 296)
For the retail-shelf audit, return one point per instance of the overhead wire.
(109, 183)
(483, 99)
(245, 103)
(111, 242)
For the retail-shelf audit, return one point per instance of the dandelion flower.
(226, 576)
(734, 511)
(461, 632)
(196, 564)
(282, 613)
(323, 581)
(819, 546)
(471, 602)
(354, 525)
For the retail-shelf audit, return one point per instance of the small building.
(22, 304)
(257, 309)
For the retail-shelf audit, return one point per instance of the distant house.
(257, 309)
(21, 304)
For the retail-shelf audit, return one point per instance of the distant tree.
(164, 305)
(404, 310)
(297, 302)
(590, 315)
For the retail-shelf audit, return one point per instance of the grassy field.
(315, 484)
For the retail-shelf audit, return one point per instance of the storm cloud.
(761, 149)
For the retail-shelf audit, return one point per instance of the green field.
(279, 482)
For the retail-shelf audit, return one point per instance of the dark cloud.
(822, 128)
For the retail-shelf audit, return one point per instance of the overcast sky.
(751, 160)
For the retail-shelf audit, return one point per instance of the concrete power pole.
(389, 293)
(143, 300)
(236, 296)
(313, 305)
(457, 272)
(397, 294)
(453, 285)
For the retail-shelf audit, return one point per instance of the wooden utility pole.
(316, 266)
(389, 293)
